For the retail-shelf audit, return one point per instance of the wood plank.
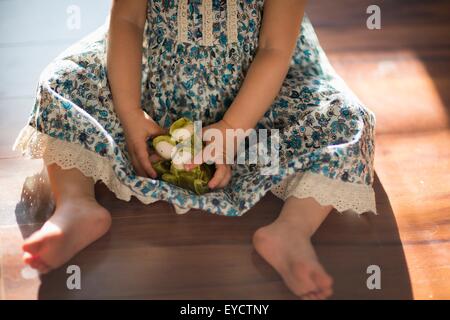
(415, 170)
(335, 14)
(17, 280)
(407, 92)
(397, 37)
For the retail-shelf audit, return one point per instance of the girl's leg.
(286, 245)
(78, 221)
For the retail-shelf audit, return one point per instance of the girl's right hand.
(138, 128)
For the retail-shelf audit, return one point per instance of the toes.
(32, 247)
(309, 296)
(323, 283)
(27, 257)
(302, 281)
(42, 267)
(322, 279)
(322, 294)
(325, 294)
(316, 296)
(313, 295)
(300, 270)
(310, 281)
(33, 244)
(36, 263)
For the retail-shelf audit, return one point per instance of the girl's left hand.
(221, 178)
(222, 175)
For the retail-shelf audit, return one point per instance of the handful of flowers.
(177, 149)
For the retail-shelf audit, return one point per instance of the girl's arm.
(124, 57)
(278, 36)
(124, 62)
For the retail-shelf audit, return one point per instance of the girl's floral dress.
(195, 57)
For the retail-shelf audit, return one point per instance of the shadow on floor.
(153, 253)
(348, 244)
(36, 203)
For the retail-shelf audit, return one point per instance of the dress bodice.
(205, 22)
(196, 53)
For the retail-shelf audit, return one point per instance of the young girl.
(233, 64)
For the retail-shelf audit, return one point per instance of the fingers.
(144, 161)
(226, 179)
(141, 160)
(190, 166)
(136, 165)
(221, 177)
(154, 129)
(139, 128)
(157, 131)
(199, 157)
(154, 157)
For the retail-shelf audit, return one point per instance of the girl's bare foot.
(74, 225)
(286, 246)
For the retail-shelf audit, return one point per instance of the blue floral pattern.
(323, 127)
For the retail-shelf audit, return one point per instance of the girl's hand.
(221, 178)
(222, 175)
(138, 127)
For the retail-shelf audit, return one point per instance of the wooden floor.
(402, 72)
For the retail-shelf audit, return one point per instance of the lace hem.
(343, 196)
(37, 145)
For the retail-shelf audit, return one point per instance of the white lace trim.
(343, 196)
(182, 21)
(232, 32)
(37, 145)
(207, 24)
